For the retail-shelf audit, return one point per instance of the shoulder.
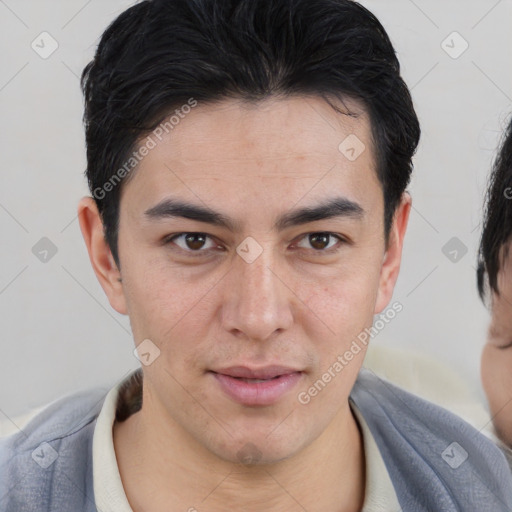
(58, 419)
(55, 444)
(433, 456)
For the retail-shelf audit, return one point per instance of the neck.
(172, 467)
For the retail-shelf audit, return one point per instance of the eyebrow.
(335, 207)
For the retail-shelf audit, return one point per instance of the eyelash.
(200, 252)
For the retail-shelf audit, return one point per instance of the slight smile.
(253, 387)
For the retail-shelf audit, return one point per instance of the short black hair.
(497, 224)
(162, 54)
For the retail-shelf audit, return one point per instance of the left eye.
(320, 241)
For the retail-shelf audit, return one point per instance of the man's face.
(252, 299)
(497, 355)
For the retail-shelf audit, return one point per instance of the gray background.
(59, 333)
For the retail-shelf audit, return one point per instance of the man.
(248, 162)
(495, 284)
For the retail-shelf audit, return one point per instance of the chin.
(256, 450)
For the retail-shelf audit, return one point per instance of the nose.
(258, 301)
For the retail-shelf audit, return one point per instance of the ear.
(100, 255)
(393, 254)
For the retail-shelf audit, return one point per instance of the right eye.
(192, 242)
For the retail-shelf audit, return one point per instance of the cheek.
(346, 300)
(497, 374)
(346, 308)
(160, 298)
(497, 382)
(149, 303)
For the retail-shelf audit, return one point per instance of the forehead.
(274, 127)
(292, 149)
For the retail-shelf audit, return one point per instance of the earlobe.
(393, 255)
(100, 254)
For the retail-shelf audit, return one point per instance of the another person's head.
(248, 162)
(495, 287)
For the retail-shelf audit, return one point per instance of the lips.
(268, 372)
(257, 386)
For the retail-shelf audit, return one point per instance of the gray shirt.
(436, 461)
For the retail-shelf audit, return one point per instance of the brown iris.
(195, 240)
(319, 240)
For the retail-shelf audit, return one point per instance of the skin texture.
(496, 363)
(294, 305)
